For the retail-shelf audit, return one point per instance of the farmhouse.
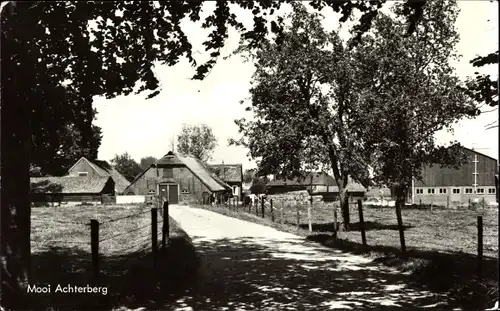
(87, 168)
(320, 184)
(71, 189)
(231, 174)
(475, 181)
(179, 179)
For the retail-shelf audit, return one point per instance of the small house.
(231, 174)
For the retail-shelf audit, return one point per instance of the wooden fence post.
(480, 246)
(94, 246)
(309, 216)
(154, 233)
(400, 226)
(335, 224)
(420, 203)
(272, 211)
(282, 214)
(448, 201)
(361, 222)
(262, 206)
(298, 215)
(165, 228)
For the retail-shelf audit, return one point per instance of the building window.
(430, 191)
(456, 191)
(468, 190)
(442, 190)
(491, 190)
(168, 173)
(420, 191)
(235, 190)
(480, 190)
(185, 185)
(83, 173)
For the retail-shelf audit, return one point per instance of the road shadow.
(355, 226)
(453, 273)
(258, 274)
(131, 280)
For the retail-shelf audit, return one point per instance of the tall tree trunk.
(344, 202)
(16, 86)
(401, 192)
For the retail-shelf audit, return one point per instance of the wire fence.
(472, 231)
(138, 234)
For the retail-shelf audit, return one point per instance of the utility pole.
(475, 174)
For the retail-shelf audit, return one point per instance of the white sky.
(144, 127)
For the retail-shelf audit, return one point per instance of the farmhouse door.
(163, 191)
(173, 194)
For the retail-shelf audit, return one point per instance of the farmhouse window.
(491, 190)
(168, 173)
(480, 190)
(83, 173)
(430, 191)
(420, 191)
(442, 190)
(235, 190)
(185, 185)
(468, 190)
(456, 191)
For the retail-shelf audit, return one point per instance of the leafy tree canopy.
(127, 166)
(322, 103)
(147, 161)
(197, 141)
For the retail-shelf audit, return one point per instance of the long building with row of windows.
(474, 181)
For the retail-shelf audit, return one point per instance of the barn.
(71, 189)
(320, 184)
(474, 181)
(179, 179)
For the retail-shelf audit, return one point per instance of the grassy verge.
(441, 269)
(61, 256)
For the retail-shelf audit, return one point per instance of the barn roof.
(228, 172)
(351, 187)
(318, 179)
(321, 181)
(120, 181)
(104, 169)
(195, 166)
(68, 184)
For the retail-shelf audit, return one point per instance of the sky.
(144, 127)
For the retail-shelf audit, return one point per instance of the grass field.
(441, 244)
(61, 255)
(438, 229)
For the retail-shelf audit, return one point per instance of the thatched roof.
(68, 185)
(196, 167)
(104, 169)
(120, 181)
(320, 182)
(318, 179)
(228, 172)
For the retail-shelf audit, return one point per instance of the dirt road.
(246, 266)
